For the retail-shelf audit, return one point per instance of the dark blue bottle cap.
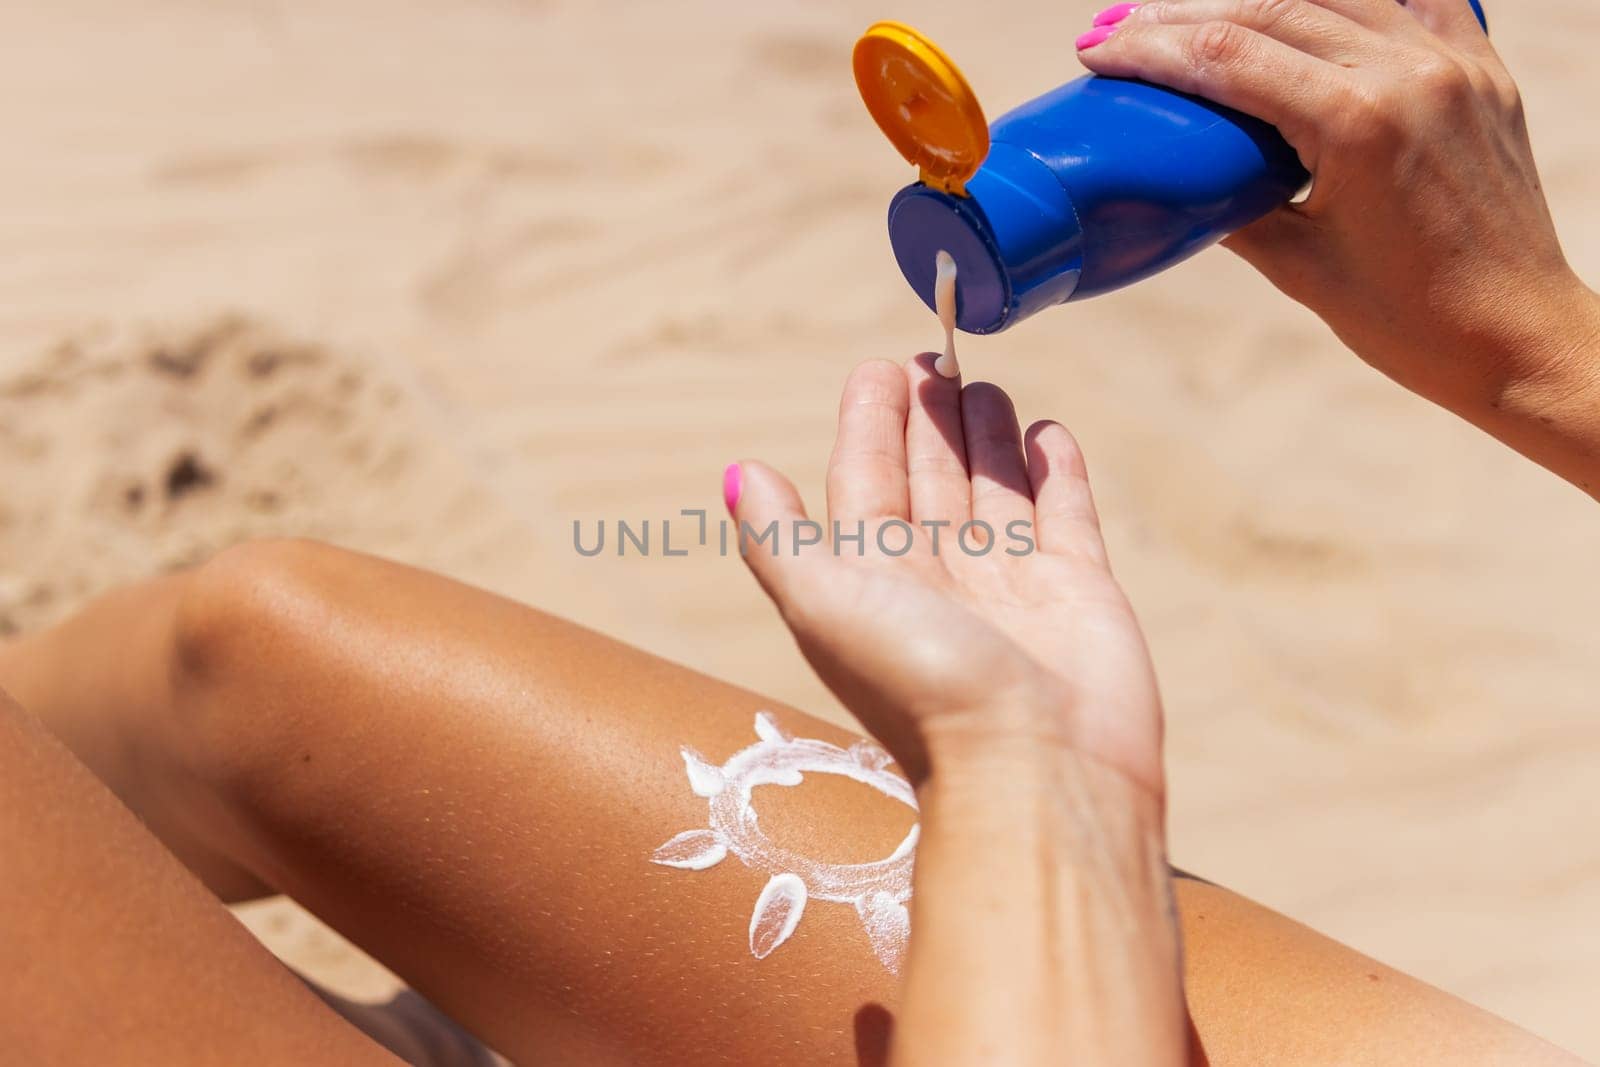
(1015, 240)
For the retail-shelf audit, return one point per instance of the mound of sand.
(132, 453)
(129, 453)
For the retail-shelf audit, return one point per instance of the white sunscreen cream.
(878, 891)
(944, 302)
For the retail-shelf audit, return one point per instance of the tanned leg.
(112, 953)
(472, 791)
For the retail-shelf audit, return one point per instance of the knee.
(242, 639)
(238, 606)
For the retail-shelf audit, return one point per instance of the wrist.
(1042, 880)
(1034, 736)
(1023, 773)
(1549, 343)
(1546, 403)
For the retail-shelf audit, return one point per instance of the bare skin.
(468, 788)
(1426, 243)
(471, 790)
(1012, 681)
(112, 953)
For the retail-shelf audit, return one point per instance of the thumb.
(767, 513)
(1282, 246)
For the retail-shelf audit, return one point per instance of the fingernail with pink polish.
(732, 483)
(1114, 14)
(1095, 36)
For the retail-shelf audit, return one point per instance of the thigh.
(112, 953)
(479, 793)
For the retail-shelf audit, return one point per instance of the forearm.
(1044, 925)
(1542, 396)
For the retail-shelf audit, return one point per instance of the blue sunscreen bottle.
(1093, 186)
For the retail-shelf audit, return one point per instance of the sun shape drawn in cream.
(878, 891)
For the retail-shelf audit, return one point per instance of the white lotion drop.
(692, 850)
(944, 302)
(778, 911)
(888, 925)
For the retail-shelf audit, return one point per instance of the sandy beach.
(437, 281)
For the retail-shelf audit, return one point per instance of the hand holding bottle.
(1425, 243)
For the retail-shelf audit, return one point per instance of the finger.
(867, 473)
(768, 514)
(1283, 246)
(936, 452)
(1065, 520)
(1232, 65)
(1454, 22)
(1384, 16)
(1320, 30)
(1001, 493)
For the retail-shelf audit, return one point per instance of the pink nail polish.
(732, 483)
(1094, 37)
(1114, 14)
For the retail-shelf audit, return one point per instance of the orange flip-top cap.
(922, 103)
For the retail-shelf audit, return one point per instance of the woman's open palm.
(961, 583)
